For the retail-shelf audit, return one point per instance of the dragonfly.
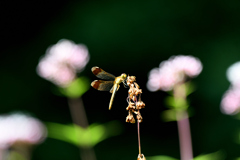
(111, 84)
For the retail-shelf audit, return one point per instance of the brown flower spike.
(134, 106)
(134, 100)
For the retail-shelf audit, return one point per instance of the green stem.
(183, 122)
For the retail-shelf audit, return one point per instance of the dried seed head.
(130, 83)
(132, 86)
(134, 98)
(139, 118)
(130, 118)
(131, 96)
(131, 90)
(137, 86)
(131, 106)
(140, 105)
(131, 79)
(138, 91)
(141, 157)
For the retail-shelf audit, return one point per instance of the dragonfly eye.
(124, 76)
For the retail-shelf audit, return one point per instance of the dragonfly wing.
(102, 85)
(100, 73)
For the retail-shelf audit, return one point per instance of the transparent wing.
(102, 85)
(100, 73)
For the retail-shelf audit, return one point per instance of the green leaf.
(169, 115)
(181, 104)
(161, 158)
(96, 134)
(219, 155)
(216, 155)
(190, 88)
(77, 88)
(170, 102)
(79, 136)
(177, 103)
(62, 132)
(101, 132)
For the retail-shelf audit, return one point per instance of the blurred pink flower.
(62, 61)
(230, 103)
(233, 74)
(20, 128)
(172, 72)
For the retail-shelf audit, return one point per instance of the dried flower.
(62, 61)
(230, 103)
(139, 117)
(173, 71)
(134, 101)
(131, 106)
(20, 128)
(134, 106)
(130, 80)
(140, 105)
(130, 118)
(233, 74)
(141, 157)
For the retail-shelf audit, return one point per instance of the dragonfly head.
(123, 76)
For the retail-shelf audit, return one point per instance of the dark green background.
(124, 36)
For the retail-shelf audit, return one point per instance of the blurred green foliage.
(177, 104)
(83, 137)
(161, 158)
(219, 155)
(77, 88)
(216, 155)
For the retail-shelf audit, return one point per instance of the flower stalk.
(173, 75)
(79, 117)
(60, 65)
(183, 122)
(134, 106)
(139, 142)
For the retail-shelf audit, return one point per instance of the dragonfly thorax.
(120, 79)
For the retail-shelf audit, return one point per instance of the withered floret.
(134, 100)
(141, 157)
(131, 106)
(140, 105)
(139, 118)
(130, 118)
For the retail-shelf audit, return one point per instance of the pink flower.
(62, 61)
(233, 74)
(230, 103)
(20, 128)
(172, 72)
